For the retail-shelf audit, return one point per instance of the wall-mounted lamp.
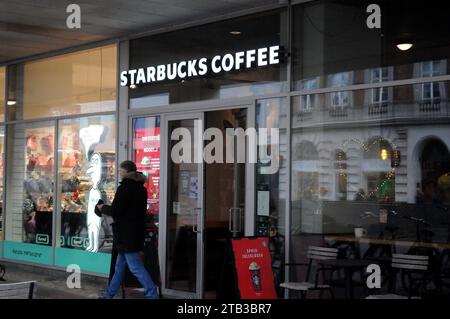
(11, 103)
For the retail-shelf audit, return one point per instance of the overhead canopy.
(29, 27)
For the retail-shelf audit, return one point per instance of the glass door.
(225, 192)
(182, 206)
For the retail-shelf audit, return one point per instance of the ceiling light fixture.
(235, 32)
(404, 46)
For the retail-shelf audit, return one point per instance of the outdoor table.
(349, 266)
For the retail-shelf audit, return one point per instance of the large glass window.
(332, 37)
(272, 177)
(381, 174)
(231, 36)
(30, 183)
(75, 83)
(271, 115)
(86, 170)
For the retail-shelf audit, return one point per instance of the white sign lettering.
(198, 67)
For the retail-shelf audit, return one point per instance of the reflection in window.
(435, 167)
(390, 153)
(380, 75)
(377, 172)
(340, 99)
(380, 95)
(377, 148)
(430, 91)
(340, 165)
(271, 114)
(271, 189)
(323, 45)
(306, 151)
(305, 169)
(308, 101)
(30, 181)
(431, 68)
(340, 79)
(86, 172)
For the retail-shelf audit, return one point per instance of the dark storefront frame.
(125, 115)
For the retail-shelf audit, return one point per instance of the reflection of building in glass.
(383, 144)
(368, 148)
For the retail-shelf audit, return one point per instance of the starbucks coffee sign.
(229, 62)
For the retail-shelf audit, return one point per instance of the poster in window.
(147, 157)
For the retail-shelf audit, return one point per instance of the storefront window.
(271, 114)
(227, 37)
(75, 83)
(146, 155)
(86, 171)
(325, 46)
(30, 182)
(272, 178)
(364, 170)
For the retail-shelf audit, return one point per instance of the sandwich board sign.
(252, 262)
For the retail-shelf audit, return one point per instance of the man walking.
(128, 211)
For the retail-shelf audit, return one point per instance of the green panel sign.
(88, 261)
(37, 254)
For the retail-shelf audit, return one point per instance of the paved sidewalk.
(51, 284)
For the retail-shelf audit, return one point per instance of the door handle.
(234, 220)
(230, 220)
(195, 216)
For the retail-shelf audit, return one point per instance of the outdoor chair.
(313, 271)
(413, 273)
